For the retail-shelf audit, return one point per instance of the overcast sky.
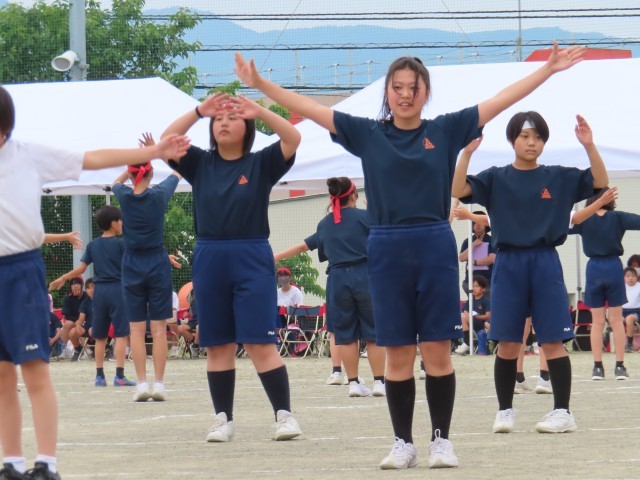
(625, 27)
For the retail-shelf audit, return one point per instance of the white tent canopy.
(101, 114)
(605, 92)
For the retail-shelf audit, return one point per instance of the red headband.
(335, 203)
(140, 172)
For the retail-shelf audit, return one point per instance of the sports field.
(103, 434)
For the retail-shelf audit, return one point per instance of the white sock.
(19, 463)
(143, 386)
(158, 385)
(50, 461)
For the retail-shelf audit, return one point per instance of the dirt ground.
(103, 434)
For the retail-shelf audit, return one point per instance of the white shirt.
(633, 296)
(175, 301)
(24, 168)
(292, 297)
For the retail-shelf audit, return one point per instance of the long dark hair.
(7, 113)
(411, 63)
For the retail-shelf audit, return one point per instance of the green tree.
(303, 274)
(121, 43)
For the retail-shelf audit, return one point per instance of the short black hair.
(481, 281)
(76, 281)
(514, 127)
(633, 258)
(630, 270)
(247, 140)
(89, 282)
(106, 216)
(7, 113)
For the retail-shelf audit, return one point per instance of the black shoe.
(41, 472)
(76, 355)
(8, 472)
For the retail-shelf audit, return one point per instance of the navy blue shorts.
(146, 285)
(235, 285)
(349, 309)
(605, 283)
(108, 309)
(529, 282)
(24, 327)
(631, 311)
(413, 273)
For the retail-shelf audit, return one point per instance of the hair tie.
(335, 203)
(140, 171)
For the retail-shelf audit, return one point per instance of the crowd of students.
(393, 271)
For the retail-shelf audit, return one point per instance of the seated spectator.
(55, 329)
(71, 308)
(288, 294)
(483, 254)
(631, 309)
(82, 326)
(189, 330)
(634, 262)
(481, 313)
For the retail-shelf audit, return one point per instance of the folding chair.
(582, 323)
(303, 330)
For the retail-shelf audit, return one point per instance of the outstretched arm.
(72, 237)
(171, 147)
(289, 135)
(459, 187)
(291, 252)
(462, 213)
(305, 106)
(585, 137)
(607, 197)
(60, 281)
(558, 61)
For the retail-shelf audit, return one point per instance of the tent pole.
(470, 281)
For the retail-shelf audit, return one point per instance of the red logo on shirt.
(242, 180)
(427, 144)
(545, 193)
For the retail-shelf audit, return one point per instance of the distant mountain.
(343, 66)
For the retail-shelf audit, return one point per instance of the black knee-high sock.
(276, 384)
(560, 375)
(504, 376)
(441, 393)
(401, 398)
(222, 387)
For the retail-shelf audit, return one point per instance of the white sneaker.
(557, 421)
(142, 393)
(463, 349)
(221, 430)
(286, 426)
(543, 386)
(441, 454)
(175, 352)
(358, 390)
(522, 387)
(158, 394)
(403, 455)
(379, 390)
(335, 378)
(505, 421)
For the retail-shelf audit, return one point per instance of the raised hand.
(563, 59)
(215, 104)
(473, 145)
(57, 284)
(246, 71)
(610, 195)
(74, 239)
(173, 146)
(245, 108)
(461, 213)
(146, 140)
(583, 131)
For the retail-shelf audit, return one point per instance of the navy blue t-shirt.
(602, 235)
(408, 173)
(529, 208)
(481, 307)
(343, 243)
(54, 324)
(143, 213)
(106, 255)
(86, 307)
(71, 306)
(231, 197)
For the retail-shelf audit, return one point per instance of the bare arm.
(122, 178)
(305, 106)
(585, 137)
(291, 252)
(170, 147)
(558, 61)
(71, 237)
(60, 281)
(607, 197)
(459, 186)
